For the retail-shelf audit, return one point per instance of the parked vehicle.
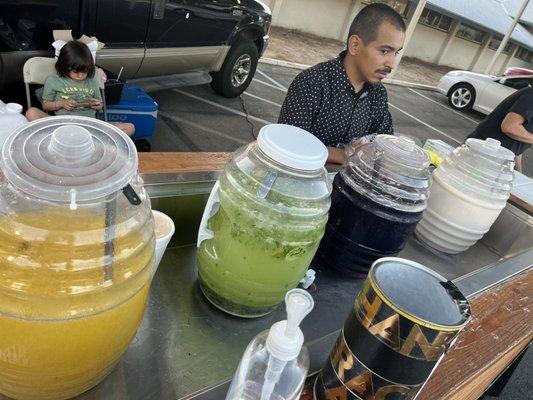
(513, 71)
(469, 90)
(145, 37)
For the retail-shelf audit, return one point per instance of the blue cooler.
(135, 107)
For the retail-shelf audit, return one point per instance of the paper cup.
(164, 229)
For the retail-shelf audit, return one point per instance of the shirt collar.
(344, 82)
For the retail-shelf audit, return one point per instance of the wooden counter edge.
(499, 331)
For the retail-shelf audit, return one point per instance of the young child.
(75, 89)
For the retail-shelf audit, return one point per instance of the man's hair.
(367, 22)
(75, 56)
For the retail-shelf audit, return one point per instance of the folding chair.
(37, 69)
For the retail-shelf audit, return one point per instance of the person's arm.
(50, 93)
(336, 155)
(54, 105)
(513, 126)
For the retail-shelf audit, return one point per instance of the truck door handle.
(158, 11)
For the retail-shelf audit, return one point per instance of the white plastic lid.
(14, 108)
(69, 159)
(292, 146)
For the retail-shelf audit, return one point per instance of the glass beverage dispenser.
(76, 252)
(263, 221)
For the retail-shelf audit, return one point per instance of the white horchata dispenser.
(469, 190)
(76, 254)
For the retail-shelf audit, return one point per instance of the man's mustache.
(385, 70)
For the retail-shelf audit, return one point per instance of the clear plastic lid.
(69, 159)
(481, 169)
(392, 171)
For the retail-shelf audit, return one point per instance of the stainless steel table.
(187, 349)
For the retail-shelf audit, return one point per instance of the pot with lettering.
(403, 320)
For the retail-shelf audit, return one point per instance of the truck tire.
(237, 71)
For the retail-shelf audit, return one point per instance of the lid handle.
(406, 143)
(72, 142)
(492, 144)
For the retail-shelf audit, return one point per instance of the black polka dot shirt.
(322, 101)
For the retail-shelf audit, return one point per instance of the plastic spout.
(298, 304)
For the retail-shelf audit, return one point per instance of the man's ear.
(354, 44)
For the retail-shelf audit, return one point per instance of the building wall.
(326, 18)
(425, 43)
(318, 17)
(460, 54)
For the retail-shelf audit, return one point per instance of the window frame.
(422, 21)
(469, 39)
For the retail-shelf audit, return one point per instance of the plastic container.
(164, 229)
(113, 91)
(469, 190)
(11, 118)
(377, 200)
(263, 221)
(76, 255)
(275, 363)
(135, 107)
(437, 151)
(403, 321)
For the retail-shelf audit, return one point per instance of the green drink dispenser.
(263, 221)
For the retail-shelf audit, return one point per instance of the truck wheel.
(237, 71)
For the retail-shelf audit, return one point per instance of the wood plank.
(522, 203)
(501, 328)
(160, 162)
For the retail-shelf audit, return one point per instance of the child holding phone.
(74, 89)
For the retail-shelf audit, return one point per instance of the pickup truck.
(144, 37)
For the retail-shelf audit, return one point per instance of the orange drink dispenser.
(76, 254)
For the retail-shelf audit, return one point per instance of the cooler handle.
(210, 209)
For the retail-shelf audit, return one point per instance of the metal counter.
(186, 349)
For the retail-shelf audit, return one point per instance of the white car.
(469, 90)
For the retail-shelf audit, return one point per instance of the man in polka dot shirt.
(343, 99)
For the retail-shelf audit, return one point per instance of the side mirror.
(503, 80)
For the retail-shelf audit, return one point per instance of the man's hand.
(336, 155)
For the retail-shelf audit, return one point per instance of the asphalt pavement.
(197, 119)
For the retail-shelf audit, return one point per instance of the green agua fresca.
(266, 231)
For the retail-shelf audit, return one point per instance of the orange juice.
(64, 324)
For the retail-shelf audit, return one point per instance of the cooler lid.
(420, 292)
(134, 98)
(69, 159)
(292, 147)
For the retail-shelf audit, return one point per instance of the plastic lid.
(14, 108)
(392, 171)
(490, 147)
(292, 146)
(403, 149)
(69, 159)
(420, 292)
(285, 338)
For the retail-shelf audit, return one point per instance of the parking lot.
(196, 119)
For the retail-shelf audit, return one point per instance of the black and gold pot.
(402, 322)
